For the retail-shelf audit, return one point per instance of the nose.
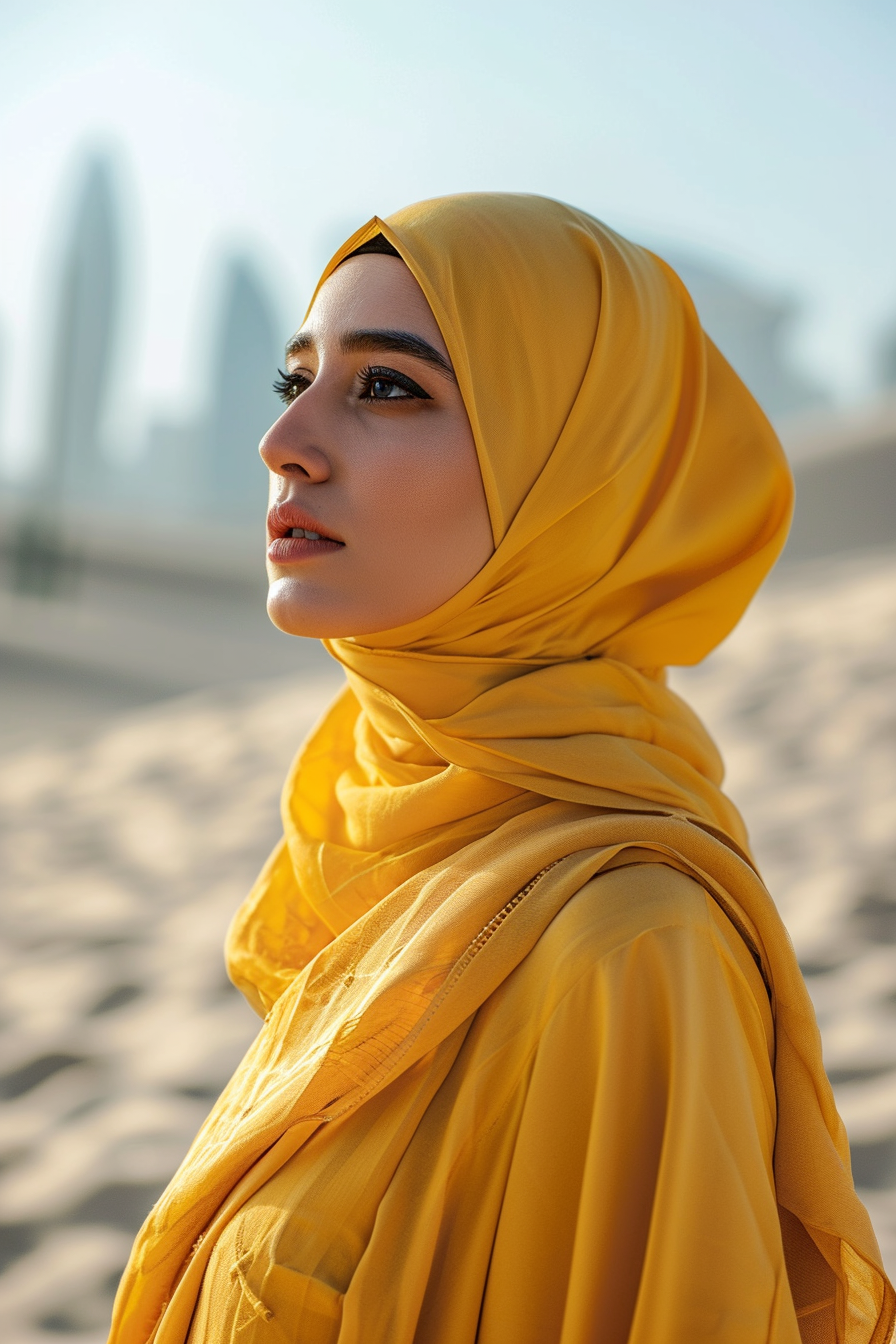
(288, 448)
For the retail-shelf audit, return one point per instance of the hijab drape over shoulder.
(485, 762)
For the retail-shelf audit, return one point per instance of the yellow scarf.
(487, 760)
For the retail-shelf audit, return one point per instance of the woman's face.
(375, 454)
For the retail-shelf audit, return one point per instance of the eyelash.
(291, 385)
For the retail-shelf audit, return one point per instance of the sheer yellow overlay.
(484, 765)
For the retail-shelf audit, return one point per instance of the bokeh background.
(174, 176)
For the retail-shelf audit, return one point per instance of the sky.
(763, 135)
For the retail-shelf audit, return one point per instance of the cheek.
(428, 493)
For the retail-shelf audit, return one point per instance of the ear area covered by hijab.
(638, 496)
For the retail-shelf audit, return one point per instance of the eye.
(381, 389)
(290, 385)
(379, 384)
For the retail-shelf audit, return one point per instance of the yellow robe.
(589, 1157)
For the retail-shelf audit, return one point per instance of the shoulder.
(643, 921)
(643, 957)
(619, 906)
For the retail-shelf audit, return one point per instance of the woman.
(537, 1062)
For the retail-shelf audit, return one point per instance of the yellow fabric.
(488, 761)
(545, 1140)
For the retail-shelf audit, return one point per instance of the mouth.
(293, 534)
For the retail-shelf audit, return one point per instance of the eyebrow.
(371, 339)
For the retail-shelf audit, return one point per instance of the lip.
(285, 549)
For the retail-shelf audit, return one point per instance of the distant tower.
(80, 360)
(243, 403)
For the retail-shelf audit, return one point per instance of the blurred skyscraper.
(209, 465)
(233, 481)
(79, 362)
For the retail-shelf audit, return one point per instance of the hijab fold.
(484, 762)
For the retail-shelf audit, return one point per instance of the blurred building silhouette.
(209, 465)
(79, 368)
(844, 466)
(243, 404)
(752, 329)
(205, 465)
(165, 480)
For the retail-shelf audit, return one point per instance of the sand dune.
(123, 861)
(124, 857)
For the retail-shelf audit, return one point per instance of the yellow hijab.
(485, 761)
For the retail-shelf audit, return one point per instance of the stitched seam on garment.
(237, 1271)
(491, 928)
(475, 946)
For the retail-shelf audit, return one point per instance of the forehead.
(372, 291)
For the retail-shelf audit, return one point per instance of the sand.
(124, 856)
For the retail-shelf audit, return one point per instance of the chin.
(293, 610)
(293, 619)
(289, 610)
(298, 608)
